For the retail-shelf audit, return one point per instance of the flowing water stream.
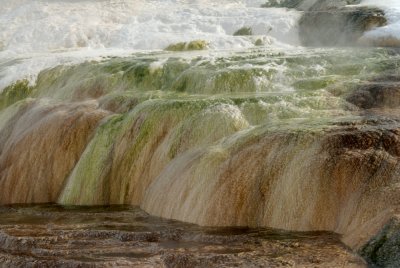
(240, 133)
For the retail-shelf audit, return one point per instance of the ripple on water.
(125, 236)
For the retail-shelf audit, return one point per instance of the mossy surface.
(314, 84)
(89, 182)
(266, 86)
(243, 31)
(15, 92)
(250, 72)
(282, 3)
(188, 46)
(383, 250)
(259, 42)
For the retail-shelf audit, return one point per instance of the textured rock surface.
(384, 249)
(214, 142)
(334, 23)
(377, 95)
(338, 26)
(50, 236)
(40, 146)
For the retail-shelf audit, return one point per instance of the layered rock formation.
(323, 156)
(40, 145)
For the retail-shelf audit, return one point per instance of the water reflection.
(127, 236)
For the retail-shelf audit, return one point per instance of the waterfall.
(261, 129)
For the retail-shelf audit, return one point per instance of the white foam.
(44, 33)
(38, 26)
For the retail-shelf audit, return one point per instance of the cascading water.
(249, 128)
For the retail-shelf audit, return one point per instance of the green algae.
(124, 146)
(298, 83)
(163, 126)
(254, 71)
(282, 3)
(120, 84)
(166, 107)
(314, 84)
(243, 31)
(188, 46)
(236, 81)
(259, 42)
(142, 131)
(204, 128)
(15, 92)
(79, 82)
(89, 182)
(190, 119)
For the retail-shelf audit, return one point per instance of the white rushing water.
(41, 34)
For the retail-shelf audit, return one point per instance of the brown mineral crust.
(40, 148)
(6, 131)
(376, 95)
(337, 179)
(360, 176)
(386, 41)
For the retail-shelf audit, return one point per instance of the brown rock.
(41, 146)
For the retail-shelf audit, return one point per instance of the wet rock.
(243, 31)
(188, 46)
(331, 26)
(384, 249)
(15, 92)
(179, 261)
(258, 42)
(376, 95)
(383, 93)
(385, 41)
(60, 133)
(334, 23)
(283, 3)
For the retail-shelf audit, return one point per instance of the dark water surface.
(122, 236)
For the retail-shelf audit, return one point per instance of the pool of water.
(123, 236)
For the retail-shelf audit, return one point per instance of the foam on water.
(39, 34)
(42, 34)
(42, 26)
